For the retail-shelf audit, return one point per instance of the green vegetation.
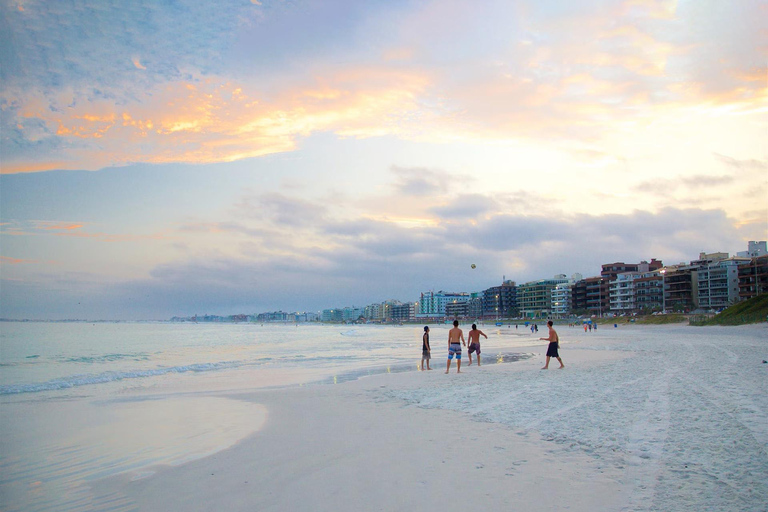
(750, 311)
(673, 318)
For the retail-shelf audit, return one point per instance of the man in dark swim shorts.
(554, 344)
(474, 343)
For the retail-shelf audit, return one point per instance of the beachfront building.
(681, 284)
(590, 296)
(534, 299)
(719, 282)
(753, 277)
(561, 300)
(475, 305)
(500, 301)
(372, 312)
(331, 315)
(432, 304)
(351, 314)
(402, 312)
(457, 310)
(622, 296)
(307, 316)
(611, 271)
(649, 292)
(754, 250)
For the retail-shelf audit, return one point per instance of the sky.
(163, 158)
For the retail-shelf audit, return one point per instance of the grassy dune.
(752, 311)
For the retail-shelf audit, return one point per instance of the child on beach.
(474, 343)
(426, 351)
(554, 344)
(454, 347)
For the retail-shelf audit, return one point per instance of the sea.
(83, 401)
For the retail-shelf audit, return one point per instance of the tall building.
(681, 283)
(622, 293)
(649, 292)
(719, 282)
(331, 315)
(402, 312)
(433, 303)
(590, 296)
(612, 270)
(500, 301)
(754, 250)
(561, 300)
(534, 299)
(753, 277)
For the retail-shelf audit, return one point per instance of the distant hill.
(750, 311)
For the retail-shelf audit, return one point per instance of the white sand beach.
(641, 419)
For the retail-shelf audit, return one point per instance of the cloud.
(420, 181)
(467, 206)
(91, 101)
(281, 210)
(365, 261)
(748, 165)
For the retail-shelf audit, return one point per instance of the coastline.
(356, 446)
(642, 418)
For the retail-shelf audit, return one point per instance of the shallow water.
(81, 401)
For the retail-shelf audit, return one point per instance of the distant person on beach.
(426, 351)
(474, 343)
(554, 344)
(454, 347)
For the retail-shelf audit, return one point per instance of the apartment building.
(681, 283)
(500, 301)
(591, 295)
(611, 271)
(718, 285)
(561, 300)
(534, 299)
(649, 291)
(433, 303)
(753, 277)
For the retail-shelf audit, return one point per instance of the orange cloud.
(213, 120)
(658, 9)
(64, 226)
(14, 261)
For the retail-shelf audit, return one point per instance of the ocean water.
(40, 357)
(83, 401)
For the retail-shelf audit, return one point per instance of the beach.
(642, 418)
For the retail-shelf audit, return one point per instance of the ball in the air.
(473, 265)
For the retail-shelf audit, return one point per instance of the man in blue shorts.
(454, 347)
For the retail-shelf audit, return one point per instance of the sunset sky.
(182, 157)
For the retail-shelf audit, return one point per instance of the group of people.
(456, 340)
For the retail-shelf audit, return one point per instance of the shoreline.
(358, 445)
(641, 419)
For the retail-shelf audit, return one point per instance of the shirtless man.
(454, 347)
(554, 344)
(474, 343)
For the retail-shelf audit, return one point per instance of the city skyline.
(164, 159)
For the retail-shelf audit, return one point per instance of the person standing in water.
(554, 344)
(474, 343)
(426, 351)
(454, 347)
